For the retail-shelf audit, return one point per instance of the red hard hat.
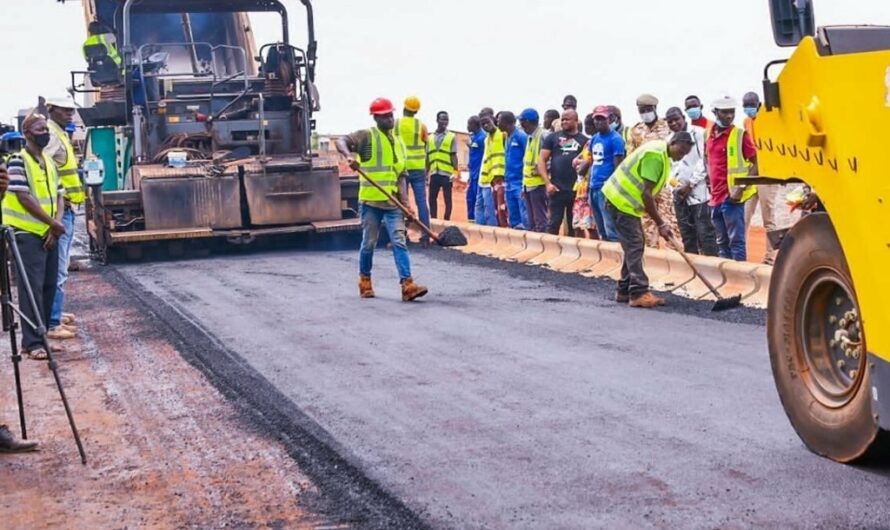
(382, 106)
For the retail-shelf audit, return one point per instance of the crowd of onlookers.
(546, 173)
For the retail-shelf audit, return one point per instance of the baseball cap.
(601, 110)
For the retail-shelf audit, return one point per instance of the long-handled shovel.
(722, 304)
(450, 237)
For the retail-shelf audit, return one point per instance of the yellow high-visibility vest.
(530, 177)
(387, 162)
(624, 189)
(44, 186)
(68, 173)
(493, 163)
(736, 165)
(440, 157)
(103, 40)
(410, 130)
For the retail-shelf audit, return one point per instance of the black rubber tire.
(845, 433)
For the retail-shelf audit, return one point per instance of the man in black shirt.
(560, 149)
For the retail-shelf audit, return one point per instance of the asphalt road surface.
(512, 397)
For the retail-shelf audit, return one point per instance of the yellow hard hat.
(412, 103)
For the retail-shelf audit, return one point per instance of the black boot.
(8, 443)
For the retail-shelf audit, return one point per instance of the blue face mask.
(694, 113)
(750, 112)
(613, 126)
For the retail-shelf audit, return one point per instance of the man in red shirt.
(730, 153)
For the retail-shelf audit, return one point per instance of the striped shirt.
(18, 174)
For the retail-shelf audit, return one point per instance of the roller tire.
(845, 431)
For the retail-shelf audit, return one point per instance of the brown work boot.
(412, 291)
(365, 290)
(60, 333)
(647, 300)
(622, 298)
(8, 443)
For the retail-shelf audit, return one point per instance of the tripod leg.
(9, 326)
(40, 329)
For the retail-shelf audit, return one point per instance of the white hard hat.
(62, 103)
(724, 103)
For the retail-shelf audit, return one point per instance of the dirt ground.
(756, 234)
(165, 449)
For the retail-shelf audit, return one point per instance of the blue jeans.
(729, 223)
(605, 225)
(472, 189)
(485, 214)
(516, 209)
(65, 242)
(417, 181)
(394, 222)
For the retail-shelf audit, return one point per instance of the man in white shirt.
(689, 179)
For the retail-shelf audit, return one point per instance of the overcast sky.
(462, 55)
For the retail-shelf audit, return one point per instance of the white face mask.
(648, 117)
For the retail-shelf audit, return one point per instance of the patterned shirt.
(642, 133)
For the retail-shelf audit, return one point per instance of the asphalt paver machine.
(204, 134)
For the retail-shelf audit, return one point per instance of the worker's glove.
(664, 230)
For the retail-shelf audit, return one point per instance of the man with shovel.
(630, 192)
(380, 156)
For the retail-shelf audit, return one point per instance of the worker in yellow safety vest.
(60, 149)
(731, 155)
(33, 208)
(414, 134)
(630, 192)
(491, 181)
(102, 56)
(381, 157)
(533, 185)
(441, 165)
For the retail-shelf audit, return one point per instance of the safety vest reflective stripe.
(440, 157)
(494, 162)
(530, 176)
(102, 40)
(409, 130)
(44, 188)
(68, 172)
(384, 167)
(625, 187)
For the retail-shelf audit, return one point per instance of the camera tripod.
(9, 250)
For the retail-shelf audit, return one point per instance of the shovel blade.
(723, 304)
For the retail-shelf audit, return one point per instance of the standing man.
(695, 112)
(689, 177)
(441, 165)
(514, 158)
(533, 185)
(476, 148)
(766, 196)
(618, 125)
(589, 126)
(606, 153)
(414, 134)
(551, 121)
(381, 155)
(652, 128)
(491, 183)
(630, 192)
(8, 442)
(730, 154)
(560, 150)
(61, 114)
(34, 210)
(570, 102)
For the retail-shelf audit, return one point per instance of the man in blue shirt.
(606, 153)
(476, 143)
(514, 163)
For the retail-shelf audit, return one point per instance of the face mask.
(613, 126)
(694, 113)
(648, 117)
(750, 112)
(42, 140)
(719, 123)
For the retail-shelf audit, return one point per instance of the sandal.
(37, 355)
